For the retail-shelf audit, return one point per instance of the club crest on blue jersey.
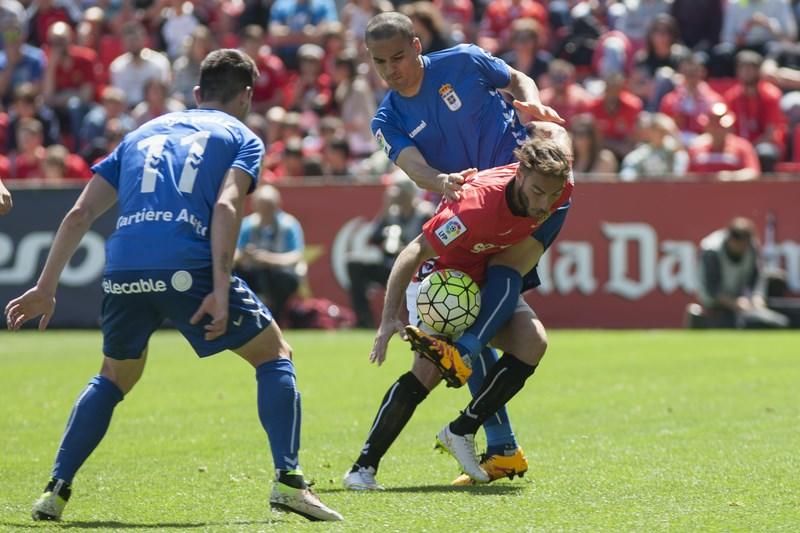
(450, 230)
(450, 97)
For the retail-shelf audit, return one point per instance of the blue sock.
(279, 411)
(499, 297)
(499, 434)
(86, 426)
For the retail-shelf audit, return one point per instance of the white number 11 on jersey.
(155, 147)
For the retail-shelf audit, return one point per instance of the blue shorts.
(136, 303)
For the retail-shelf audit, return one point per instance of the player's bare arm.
(225, 222)
(96, 198)
(411, 160)
(522, 256)
(5, 200)
(526, 98)
(407, 263)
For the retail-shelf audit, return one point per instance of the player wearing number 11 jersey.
(180, 181)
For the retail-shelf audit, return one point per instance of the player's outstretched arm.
(96, 198)
(526, 98)
(5, 200)
(406, 264)
(413, 163)
(225, 222)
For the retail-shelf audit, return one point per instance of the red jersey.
(737, 154)
(619, 124)
(466, 233)
(686, 108)
(83, 68)
(755, 112)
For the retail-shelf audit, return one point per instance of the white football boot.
(301, 501)
(463, 449)
(361, 479)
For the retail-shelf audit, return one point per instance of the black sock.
(291, 478)
(394, 413)
(60, 487)
(502, 382)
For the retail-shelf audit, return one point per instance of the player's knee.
(123, 373)
(426, 372)
(535, 344)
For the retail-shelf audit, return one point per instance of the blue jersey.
(167, 174)
(457, 119)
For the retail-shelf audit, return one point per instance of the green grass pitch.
(625, 431)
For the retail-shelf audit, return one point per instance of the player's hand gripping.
(33, 303)
(452, 183)
(217, 308)
(538, 111)
(385, 332)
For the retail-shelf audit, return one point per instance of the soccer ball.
(448, 301)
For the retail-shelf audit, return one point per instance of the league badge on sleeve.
(450, 97)
(382, 144)
(450, 230)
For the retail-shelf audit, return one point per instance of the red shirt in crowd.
(755, 112)
(621, 123)
(737, 154)
(456, 11)
(29, 166)
(5, 167)
(466, 232)
(83, 67)
(571, 101)
(687, 108)
(271, 80)
(500, 14)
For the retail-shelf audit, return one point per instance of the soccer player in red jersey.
(492, 225)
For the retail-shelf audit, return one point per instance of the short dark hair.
(225, 73)
(387, 25)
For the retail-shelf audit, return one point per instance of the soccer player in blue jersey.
(445, 116)
(180, 181)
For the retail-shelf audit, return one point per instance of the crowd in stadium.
(648, 88)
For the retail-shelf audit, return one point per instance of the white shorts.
(411, 306)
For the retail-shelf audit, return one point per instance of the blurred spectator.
(296, 22)
(156, 102)
(692, 97)
(103, 145)
(526, 54)
(70, 77)
(355, 101)
(587, 149)
(720, 152)
(94, 32)
(112, 106)
(356, 14)
(563, 93)
(656, 63)
(30, 150)
(269, 254)
(27, 104)
(131, 70)
(275, 135)
(754, 23)
(291, 163)
(429, 26)
(728, 287)
(756, 105)
(336, 160)
(178, 21)
(460, 16)
(398, 223)
(615, 112)
(272, 76)
(42, 14)
(495, 28)
(699, 22)
(634, 17)
(19, 62)
(59, 164)
(310, 89)
(660, 155)
(186, 68)
(578, 44)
